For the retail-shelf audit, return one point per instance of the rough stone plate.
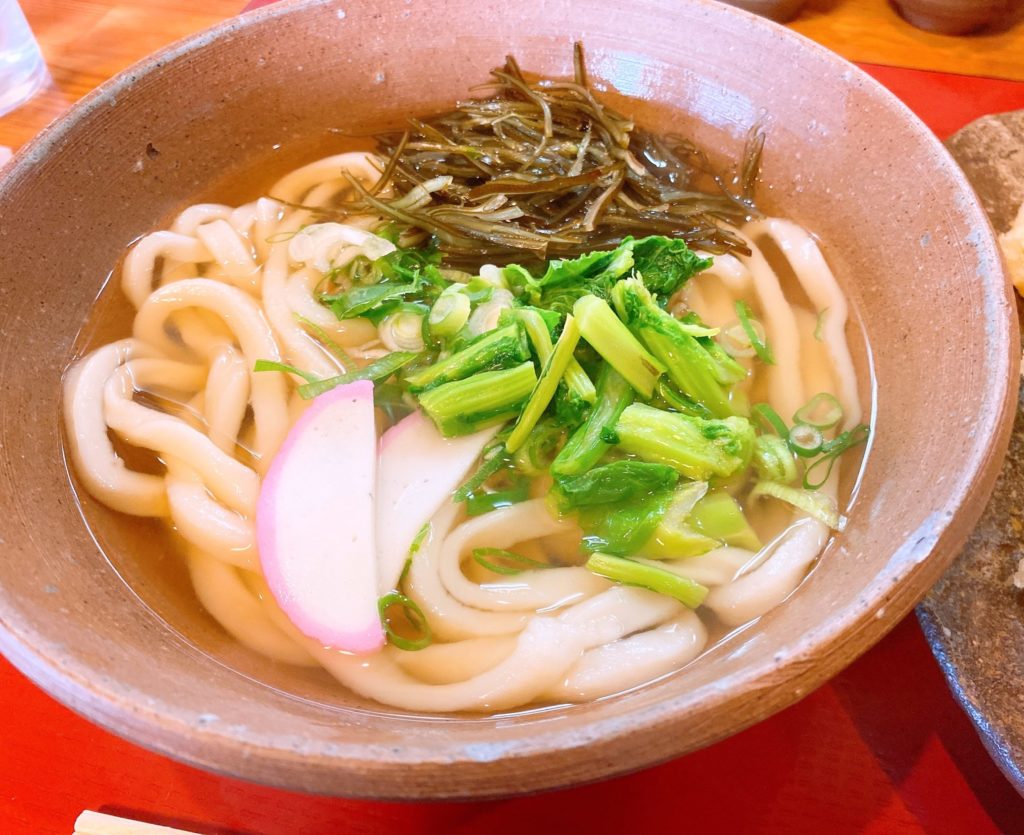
(974, 617)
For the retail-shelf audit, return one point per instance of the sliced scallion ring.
(449, 314)
(822, 411)
(846, 440)
(402, 331)
(819, 471)
(769, 419)
(505, 562)
(736, 342)
(805, 441)
(756, 337)
(413, 614)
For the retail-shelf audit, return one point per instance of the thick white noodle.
(527, 590)
(755, 593)
(219, 291)
(226, 598)
(619, 665)
(98, 466)
(817, 280)
(449, 619)
(140, 263)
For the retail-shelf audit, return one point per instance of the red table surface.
(881, 748)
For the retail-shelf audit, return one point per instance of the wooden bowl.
(124, 643)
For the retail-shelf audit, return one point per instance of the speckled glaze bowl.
(123, 641)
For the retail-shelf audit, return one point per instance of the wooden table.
(881, 748)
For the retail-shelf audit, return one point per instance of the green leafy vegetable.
(607, 335)
(692, 368)
(550, 375)
(773, 459)
(719, 516)
(587, 444)
(615, 482)
(666, 264)
(699, 449)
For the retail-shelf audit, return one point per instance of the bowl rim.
(764, 688)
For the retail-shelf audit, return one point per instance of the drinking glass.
(22, 68)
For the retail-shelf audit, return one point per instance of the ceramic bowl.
(122, 641)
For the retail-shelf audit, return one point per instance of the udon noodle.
(220, 289)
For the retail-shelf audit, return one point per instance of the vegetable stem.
(633, 573)
(587, 446)
(547, 383)
(499, 348)
(607, 335)
(701, 371)
(465, 406)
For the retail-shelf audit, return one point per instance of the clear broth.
(144, 553)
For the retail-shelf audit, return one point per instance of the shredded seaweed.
(542, 167)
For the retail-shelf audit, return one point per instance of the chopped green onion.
(330, 344)
(757, 342)
(413, 614)
(497, 460)
(736, 343)
(510, 562)
(805, 441)
(448, 315)
(273, 365)
(846, 440)
(377, 370)
(485, 318)
(831, 451)
(480, 503)
(607, 335)
(402, 331)
(633, 573)
(818, 505)
(773, 459)
(494, 276)
(547, 383)
(417, 543)
(822, 411)
(820, 325)
(769, 419)
(825, 462)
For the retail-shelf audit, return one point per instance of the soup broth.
(517, 593)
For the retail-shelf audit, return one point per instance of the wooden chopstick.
(96, 823)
